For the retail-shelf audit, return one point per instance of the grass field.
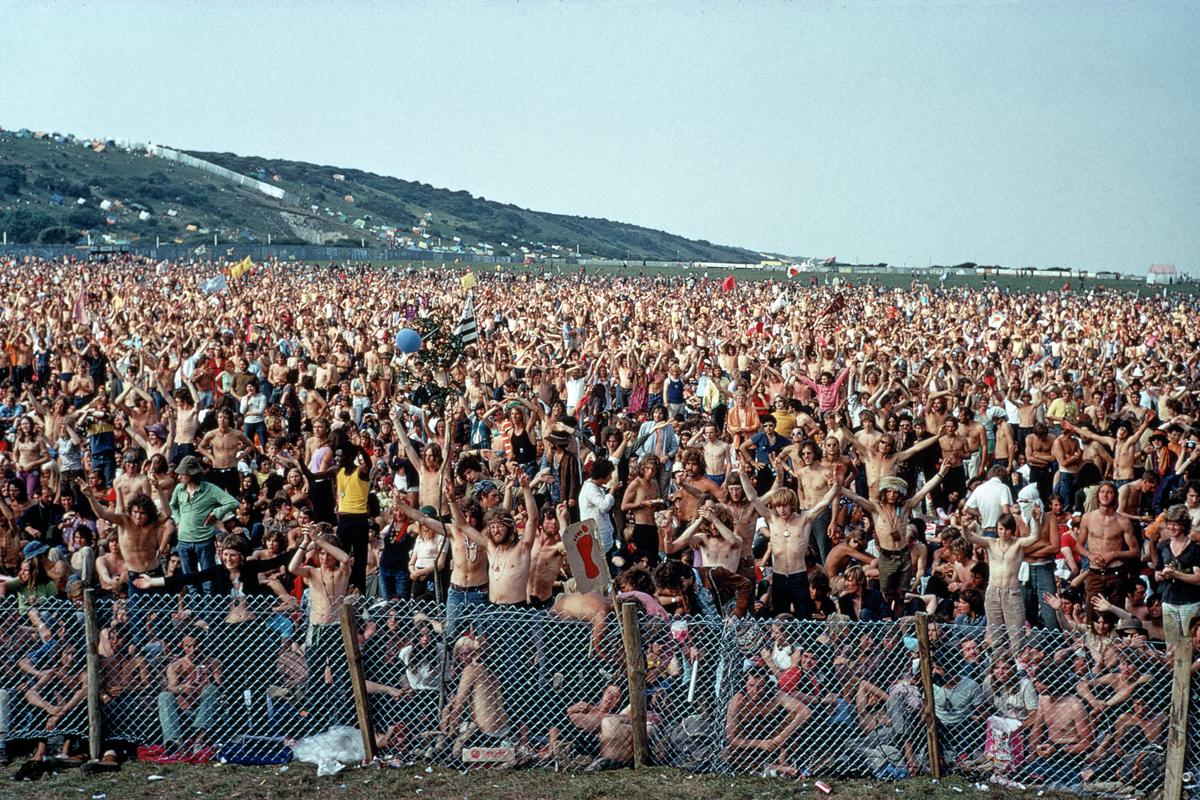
(134, 782)
(886, 280)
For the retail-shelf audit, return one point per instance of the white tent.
(1162, 274)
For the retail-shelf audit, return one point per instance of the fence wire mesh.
(1081, 709)
(198, 678)
(43, 670)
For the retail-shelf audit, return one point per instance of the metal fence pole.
(935, 769)
(358, 683)
(635, 669)
(92, 633)
(1181, 693)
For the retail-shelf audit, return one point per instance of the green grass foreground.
(299, 781)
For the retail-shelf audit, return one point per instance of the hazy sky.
(1053, 134)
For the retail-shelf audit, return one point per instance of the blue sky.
(1052, 134)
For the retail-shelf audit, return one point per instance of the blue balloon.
(408, 340)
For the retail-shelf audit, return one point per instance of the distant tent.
(1162, 274)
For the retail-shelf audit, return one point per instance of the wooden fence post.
(358, 683)
(635, 670)
(1177, 721)
(935, 769)
(91, 631)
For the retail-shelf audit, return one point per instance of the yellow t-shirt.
(353, 490)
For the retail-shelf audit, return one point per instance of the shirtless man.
(813, 477)
(1107, 539)
(1060, 731)
(142, 533)
(507, 549)
(744, 517)
(429, 471)
(476, 714)
(789, 529)
(692, 487)
(976, 437)
(955, 451)
(1039, 455)
(642, 498)
(882, 461)
(131, 480)
(1005, 451)
(890, 515)
(328, 580)
(717, 458)
(222, 447)
(187, 420)
(854, 548)
(1004, 602)
(1069, 455)
(760, 724)
(720, 551)
(549, 557)
(468, 566)
(869, 434)
(1124, 446)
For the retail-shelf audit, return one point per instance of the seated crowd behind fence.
(779, 490)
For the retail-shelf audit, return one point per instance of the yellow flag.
(468, 281)
(241, 268)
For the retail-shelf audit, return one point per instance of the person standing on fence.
(196, 507)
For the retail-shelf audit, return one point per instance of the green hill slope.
(57, 189)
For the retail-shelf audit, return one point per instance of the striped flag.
(467, 330)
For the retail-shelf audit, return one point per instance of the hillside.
(58, 189)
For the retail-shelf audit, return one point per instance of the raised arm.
(929, 486)
(460, 521)
(752, 496)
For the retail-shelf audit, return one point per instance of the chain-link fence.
(248, 680)
(43, 671)
(1082, 709)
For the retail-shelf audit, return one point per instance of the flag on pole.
(829, 262)
(793, 270)
(466, 330)
(241, 268)
(839, 302)
(214, 284)
(468, 281)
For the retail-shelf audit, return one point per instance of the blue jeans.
(459, 603)
(394, 584)
(106, 464)
(197, 557)
(1041, 581)
(1066, 489)
(251, 428)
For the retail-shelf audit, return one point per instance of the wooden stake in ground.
(635, 670)
(91, 631)
(358, 684)
(935, 768)
(1181, 693)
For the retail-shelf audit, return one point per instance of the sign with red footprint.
(585, 556)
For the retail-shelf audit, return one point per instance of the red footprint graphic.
(584, 545)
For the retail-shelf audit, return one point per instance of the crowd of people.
(1019, 466)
